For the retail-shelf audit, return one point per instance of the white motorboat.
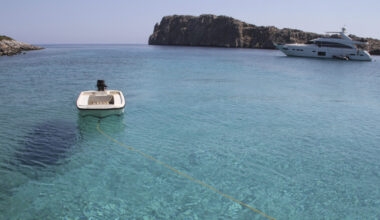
(101, 103)
(335, 48)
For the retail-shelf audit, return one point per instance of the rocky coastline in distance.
(10, 47)
(222, 31)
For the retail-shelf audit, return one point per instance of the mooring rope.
(182, 174)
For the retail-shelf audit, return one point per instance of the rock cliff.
(223, 31)
(10, 47)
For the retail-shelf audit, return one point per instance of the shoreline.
(11, 47)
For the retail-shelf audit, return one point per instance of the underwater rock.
(48, 143)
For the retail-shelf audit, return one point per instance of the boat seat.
(100, 100)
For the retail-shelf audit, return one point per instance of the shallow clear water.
(295, 138)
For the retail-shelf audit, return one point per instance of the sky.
(124, 21)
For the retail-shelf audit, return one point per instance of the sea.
(205, 130)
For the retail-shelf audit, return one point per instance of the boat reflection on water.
(112, 124)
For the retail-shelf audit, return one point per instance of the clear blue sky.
(123, 21)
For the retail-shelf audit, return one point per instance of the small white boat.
(101, 103)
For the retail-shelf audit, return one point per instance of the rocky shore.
(223, 31)
(10, 47)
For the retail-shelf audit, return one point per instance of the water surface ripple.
(295, 138)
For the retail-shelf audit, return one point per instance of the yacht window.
(321, 53)
(332, 44)
(285, 48)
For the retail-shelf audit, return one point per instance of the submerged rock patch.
(48, 143)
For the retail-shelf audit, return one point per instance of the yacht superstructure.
(335, 48)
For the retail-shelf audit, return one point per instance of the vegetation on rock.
(3, 37)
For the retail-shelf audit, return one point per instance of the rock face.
(373, 45)
(10, 47)
(223, 31)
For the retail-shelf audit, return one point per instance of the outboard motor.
(101, 85)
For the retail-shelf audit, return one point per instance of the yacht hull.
(301, 50)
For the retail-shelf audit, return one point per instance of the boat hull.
(100, 113)
(101, 103)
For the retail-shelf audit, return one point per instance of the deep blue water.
(296, 138)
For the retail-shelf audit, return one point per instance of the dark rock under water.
(48, 143)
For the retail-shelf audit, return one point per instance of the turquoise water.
(295, 138)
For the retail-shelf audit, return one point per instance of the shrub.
(3, 37)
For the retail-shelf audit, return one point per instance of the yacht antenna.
(342, 33)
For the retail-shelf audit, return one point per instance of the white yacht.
(335, 48)
(101, 103)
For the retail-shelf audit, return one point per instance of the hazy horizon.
(132, 22)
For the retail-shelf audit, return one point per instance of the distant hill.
(223, 31)
(10, 47)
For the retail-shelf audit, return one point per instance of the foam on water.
(295, 138)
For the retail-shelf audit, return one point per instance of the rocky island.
(9, 46)
(223, 31)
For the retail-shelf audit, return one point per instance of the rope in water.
(182, 174)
